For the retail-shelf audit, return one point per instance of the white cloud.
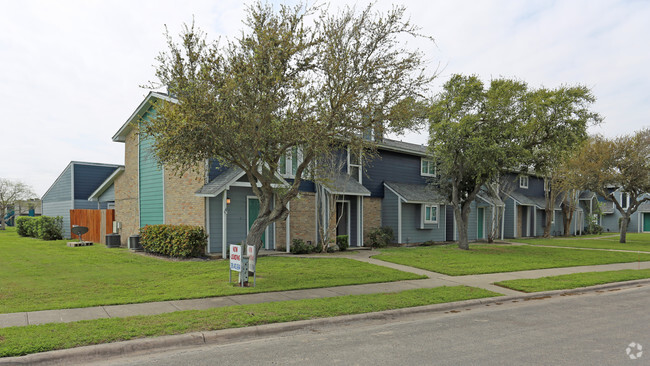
(71, 70)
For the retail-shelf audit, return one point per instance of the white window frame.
(625, 200)
(424, 213)
(288, 163)
(523, 179)
(350, 166)
(430, 164)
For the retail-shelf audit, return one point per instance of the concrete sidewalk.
(434, 279)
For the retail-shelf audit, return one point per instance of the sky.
(71, 72)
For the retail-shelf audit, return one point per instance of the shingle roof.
(587, 195)
(416, 193)
(408, 147)
(539, 202)
(220, 182)
(344, 184)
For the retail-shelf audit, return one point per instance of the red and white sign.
(235, 257)
(251, 258)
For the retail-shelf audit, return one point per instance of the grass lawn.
(450, 260)
(16, 341)
(39, 275)
(574, 280)
(634, 241)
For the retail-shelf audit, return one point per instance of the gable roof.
(73, 163)
(220, 182)
(106, 184)
(415, 193)
(400, 146)
(120, 135)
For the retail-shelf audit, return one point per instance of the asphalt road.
(587, 329)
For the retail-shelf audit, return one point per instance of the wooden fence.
(98, 222)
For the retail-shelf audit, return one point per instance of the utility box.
(113, 240)
(134, 243)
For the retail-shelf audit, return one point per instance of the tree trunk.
(625, 221)
(549, 221)
(461, 225)
(2, 219)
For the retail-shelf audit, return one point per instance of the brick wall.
(181, 205)
(303, 219)
(371, 213)
(127, 209)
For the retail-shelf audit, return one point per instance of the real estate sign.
(251, 258)
(235, 257)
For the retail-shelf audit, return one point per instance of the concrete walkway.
(434, 279)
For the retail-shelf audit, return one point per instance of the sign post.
(235, 260)
(242, 263)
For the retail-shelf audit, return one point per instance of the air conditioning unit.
(134, 243)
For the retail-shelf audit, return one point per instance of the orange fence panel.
(98, 222)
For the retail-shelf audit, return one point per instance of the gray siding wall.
(509, 218)
(389, 211)
(411, 219)
(61, 190)
(237, 217)
(58, 200)
(108, 195)
(215, 212)
(60, 208)
(610, 222)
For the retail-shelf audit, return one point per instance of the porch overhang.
(415, 193)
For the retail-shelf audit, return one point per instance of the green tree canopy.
(296, 77)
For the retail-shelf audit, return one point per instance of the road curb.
(164, 343)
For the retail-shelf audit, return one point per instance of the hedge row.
(41, 227)
(174, 240)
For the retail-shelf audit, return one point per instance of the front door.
(481, 222)
(646, 221)
(253, 212)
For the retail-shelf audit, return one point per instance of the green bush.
(379, 237)
(50, 228)
(41, 227)
(298, 246)
(23, 225)
(342, 242)
(174, 240)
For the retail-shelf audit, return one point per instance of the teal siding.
(151, 186)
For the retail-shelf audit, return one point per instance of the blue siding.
(108, 195)
(151, 186)
(236, 218)
(61, 189)
(389, 212)
(59, 208)
(87, 178)
(411, 223)
(535, 185)
(215, 224)
(509, 218)
(392, 167)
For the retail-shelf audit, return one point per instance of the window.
(288, 164)
(427, 168)
(523, 182)
(354, 166)
(625, 200)
(430, 214)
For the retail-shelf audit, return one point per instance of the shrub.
(174, 240)
(23, 225)
(592, 225)
(41, 227)
(379, 237)
(298, 246)
(342, 242)
(50, 228)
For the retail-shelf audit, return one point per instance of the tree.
(282, 85)
(10, 192)
(557, 125)
(473, 137)
(622, 164)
